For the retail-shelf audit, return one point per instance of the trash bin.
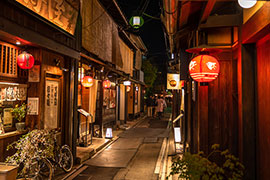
(8, 172)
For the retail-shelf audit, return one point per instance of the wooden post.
(203, 118)
(249, 109)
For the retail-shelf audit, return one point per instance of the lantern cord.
(147, 15)
(145, 6)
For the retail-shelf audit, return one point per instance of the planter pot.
(8, 172)
(20, 126)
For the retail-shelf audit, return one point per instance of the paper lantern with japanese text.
(204, 68)
(106, 84)
(87, 81)
(25, 60)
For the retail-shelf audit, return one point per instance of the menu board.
(7, 117)
(11, 92)
(51, 104)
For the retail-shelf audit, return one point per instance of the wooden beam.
(36, 38)
(207, 10)
(222, 21)
(184, 14)
(257, 26)
(183, 32)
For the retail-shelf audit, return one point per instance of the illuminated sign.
(173, 81)
(127, 83)
(109, 134)
(177, 135)
(62, 13)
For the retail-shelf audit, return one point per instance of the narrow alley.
(134, 155)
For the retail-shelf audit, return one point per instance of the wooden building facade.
(233, 109)
(110, 52)
(49, 85)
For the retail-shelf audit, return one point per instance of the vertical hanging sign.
(51, 104)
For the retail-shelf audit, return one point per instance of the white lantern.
(247, 3)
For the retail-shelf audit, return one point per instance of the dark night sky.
(151, 32)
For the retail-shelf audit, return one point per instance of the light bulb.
(247, 3)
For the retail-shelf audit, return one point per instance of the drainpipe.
(169, 19)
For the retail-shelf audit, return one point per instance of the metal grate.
(8, 59)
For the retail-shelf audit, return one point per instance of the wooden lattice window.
(8, 59)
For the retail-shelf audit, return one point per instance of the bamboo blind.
(8, 59)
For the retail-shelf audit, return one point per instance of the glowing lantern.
(128, 88)
(107, 84)
(247, 3)
(25, 60)
(87, 81)
(136, 21)
(204, 68)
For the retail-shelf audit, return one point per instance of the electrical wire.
(145, 6)
(147, 15)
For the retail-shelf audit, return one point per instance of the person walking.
(154, 111)
(161, 104)
(149, 104)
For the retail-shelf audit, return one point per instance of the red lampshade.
(106, 83)
(25, 60)
(87, 81)
(204, 68)
(128, 88)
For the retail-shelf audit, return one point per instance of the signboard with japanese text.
(33, 103)
(51, 116)
(173, 81)
(62, 13)
(34, 74)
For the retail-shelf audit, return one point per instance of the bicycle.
(43, 168)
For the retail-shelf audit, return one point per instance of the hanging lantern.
(87, 81)
(128, 88)
(247, 3)
(136, 21)
(25, 60)
(204, 68)
(106, 84)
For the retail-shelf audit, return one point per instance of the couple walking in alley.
(155, 106)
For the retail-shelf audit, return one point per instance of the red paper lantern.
(204, 68)
(87, 81)
(107, 84)
(128, 88)
(25, 60)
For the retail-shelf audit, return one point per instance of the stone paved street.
(133, 156)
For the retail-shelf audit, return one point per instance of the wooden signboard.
(62, 13)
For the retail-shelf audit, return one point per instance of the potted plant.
(217, 165)
(19, 113)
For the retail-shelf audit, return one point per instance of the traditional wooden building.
(49, 32)
(233, 109)
(108, 53)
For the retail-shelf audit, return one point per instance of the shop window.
(10, 95)
(8, 59)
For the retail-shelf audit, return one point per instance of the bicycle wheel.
(41, 169)
(66, 158)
